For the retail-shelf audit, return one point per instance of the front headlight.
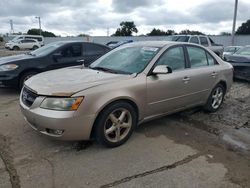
(64, 104)
(8, 67)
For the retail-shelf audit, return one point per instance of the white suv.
(23, 44)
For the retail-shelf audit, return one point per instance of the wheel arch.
(26, 71)
(127, 100)
(15, 46)
(224, 84)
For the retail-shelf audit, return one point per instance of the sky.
(73, 17)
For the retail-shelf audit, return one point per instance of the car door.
(91, 52)
(69, 55)
(168, 92)
(202, 74)
(29, 43)
(23, 44)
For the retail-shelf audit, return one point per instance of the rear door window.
(36, 38)
(24, 41)
(29, 41)
(180, 38)
(74, 50)
(194, 40)
(197, 57)
(204, 41)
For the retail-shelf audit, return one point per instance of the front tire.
(215, 99)
(16, 48)
(115, 124)
(34, 47)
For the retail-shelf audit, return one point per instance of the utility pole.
(234, 20)
(39, 20)
(11, 27)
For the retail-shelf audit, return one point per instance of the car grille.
(28, 97)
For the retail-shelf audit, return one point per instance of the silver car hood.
(68, 81)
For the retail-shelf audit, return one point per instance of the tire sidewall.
(100, 123)
(16, 48)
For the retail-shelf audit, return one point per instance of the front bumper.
(8, 80)
(44, 120)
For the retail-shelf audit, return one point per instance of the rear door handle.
(214, 74)
(186, 79)
(80, 61)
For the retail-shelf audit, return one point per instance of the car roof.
(71, 42)
(159, 44)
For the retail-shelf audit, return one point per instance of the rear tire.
(115, 124)
(16, 48)
(35, 47)
(215, 99)
(25, 77)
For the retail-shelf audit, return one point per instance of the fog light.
(57, 132)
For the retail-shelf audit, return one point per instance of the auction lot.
(188, 149)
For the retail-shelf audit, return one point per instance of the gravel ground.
(5, 52)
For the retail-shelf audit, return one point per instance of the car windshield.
(16, 39)
(180, 38)
(229, 49)
(126, 60)
(45, 50)
(243, 51)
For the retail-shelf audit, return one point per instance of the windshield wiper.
(104, 69)
(110, 70)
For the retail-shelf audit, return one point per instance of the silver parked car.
(230, 50)
(129, 85)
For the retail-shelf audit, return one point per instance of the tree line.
(128, 28)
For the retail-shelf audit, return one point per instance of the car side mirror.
(57, 56)
(162, 69)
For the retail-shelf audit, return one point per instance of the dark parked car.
(115, 44)
(14, 70)
(241, 63)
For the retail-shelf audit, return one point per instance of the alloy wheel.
(117, 125)
(217, 97)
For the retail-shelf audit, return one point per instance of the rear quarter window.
(211, 61)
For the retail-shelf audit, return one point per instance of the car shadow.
(9, 91)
